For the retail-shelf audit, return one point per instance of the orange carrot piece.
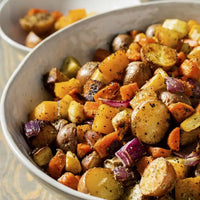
(173, 140)
(190, 69)
(57, 164)
(56, 14)
(180, 111)
(102, 146)
(69, 180)
(188, 87)
(83, 149)
(157, 152)
(81, 131)
(108, 92)
(90, 109)
(33, 11)
(181, 57)
(144, 41)
(143, 163)
(100, 55)
(128, 91)
(133, 52)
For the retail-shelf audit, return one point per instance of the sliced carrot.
(144, 41)
(133, 52)
(181, 57)
(102, 146)
(83, 149)
(56, 14)
(143, 163)
(69, 180)
(173, 140)
(33, 11)
(157, 152)
(57, 164)
(190, 69)
(180, 111)
(81, 131)
(188, 87)
(100, 55)
(90, 109)
(108, 92)
(128, 91)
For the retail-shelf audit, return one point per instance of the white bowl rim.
(24, 160)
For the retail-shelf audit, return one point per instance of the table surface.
(16, 182)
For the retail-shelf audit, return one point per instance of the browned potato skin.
(150, 31)
(39, 23)
(86, 71)
(121, 41)
(67, 138)
(169, 98)
(158, 179)
(90, 161)
(137, 72)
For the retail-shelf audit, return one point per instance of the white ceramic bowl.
(12, 10)
(24, 89)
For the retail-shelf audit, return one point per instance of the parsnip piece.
(157, 55)
(75, 112)
(72, 163)
(177, 25)
(191, 123)
(158, 179)
(150, 121)
(157, 82)
(100, 182)
(180, 168)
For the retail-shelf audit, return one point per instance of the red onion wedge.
(192, 159)
(174, 84)
(115, 103)
(130, 152)
(33, 127)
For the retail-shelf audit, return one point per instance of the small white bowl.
(24, 90)
(12, 10)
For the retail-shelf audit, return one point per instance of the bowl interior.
(11, 11)
(24, 89)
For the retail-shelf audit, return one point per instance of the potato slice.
(143, 95)
(157, 55)
(188, 188)
(166, 36)
(150, 121)
(158, 179)
(100, 182)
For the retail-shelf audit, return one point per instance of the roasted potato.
(86, 71)
(158, 179)
(100, 182)
(121, 41)
(147, 124)
(137, 72)
(67, 138)
(157, 55)
(169, 98)
(150, 31)
(39, 23)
